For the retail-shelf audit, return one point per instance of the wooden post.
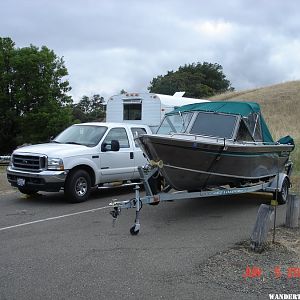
(261, 228)
(292, 211)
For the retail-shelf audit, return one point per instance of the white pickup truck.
(82, 156)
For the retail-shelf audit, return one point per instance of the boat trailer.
(149, 174)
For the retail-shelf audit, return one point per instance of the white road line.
(53, 218)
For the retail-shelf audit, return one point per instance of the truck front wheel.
(27, 191)
(78, 186)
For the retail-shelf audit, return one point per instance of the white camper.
(144, 108)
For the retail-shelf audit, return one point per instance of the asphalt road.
(81, 256)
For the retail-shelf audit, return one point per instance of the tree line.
(34, 99)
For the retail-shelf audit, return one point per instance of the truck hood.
(55, 150)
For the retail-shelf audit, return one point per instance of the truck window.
(137, 132)
(118, 134)
(132, 111)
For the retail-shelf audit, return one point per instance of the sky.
(110, 45)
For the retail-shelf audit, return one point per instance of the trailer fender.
(279, 181)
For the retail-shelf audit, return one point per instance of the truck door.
(117, 165)
(139, 158)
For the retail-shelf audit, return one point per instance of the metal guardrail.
(4, 160)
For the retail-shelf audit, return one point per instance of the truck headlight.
(55, 164)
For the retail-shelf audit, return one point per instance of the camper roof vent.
(179, 94)
(132, 101)
(132, 95)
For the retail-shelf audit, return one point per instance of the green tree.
(198, 80)
(34, 103)
(89, 109)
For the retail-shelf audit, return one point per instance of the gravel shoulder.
(5, 187)
(275, 270)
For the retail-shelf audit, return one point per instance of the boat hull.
(193, 163)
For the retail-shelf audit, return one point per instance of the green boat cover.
(245, 109)
(286, 140)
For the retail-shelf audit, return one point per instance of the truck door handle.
(131, 155)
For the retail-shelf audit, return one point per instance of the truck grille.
(29, 162)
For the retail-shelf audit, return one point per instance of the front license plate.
(20, 181)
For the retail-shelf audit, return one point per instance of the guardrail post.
(292, 211)
(261, 228)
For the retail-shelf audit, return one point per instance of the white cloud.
(114, 45)
(211, 29)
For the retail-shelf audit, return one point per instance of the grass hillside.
(280, 105)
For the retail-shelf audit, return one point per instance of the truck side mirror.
(114, 145)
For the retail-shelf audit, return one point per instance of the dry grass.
(280, 105)
(4, 185)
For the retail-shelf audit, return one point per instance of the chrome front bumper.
(40, 181)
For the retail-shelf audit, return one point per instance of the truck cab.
(82, 156)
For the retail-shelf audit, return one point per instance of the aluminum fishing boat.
(211, 144)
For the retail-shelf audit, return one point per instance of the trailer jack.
(132, 203)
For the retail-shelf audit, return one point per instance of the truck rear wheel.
(78, 186)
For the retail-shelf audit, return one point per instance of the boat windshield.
(176, 123)
(215, 125)
(253, 123)
(87, 135)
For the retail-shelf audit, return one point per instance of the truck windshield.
(176, 123)
(87, 135)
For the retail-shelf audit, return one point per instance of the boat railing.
(196, 136)
(220, 139)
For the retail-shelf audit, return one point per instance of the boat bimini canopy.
(249, 111)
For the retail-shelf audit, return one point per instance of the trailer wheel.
(133, 231)
(282, 196)
(78, 186)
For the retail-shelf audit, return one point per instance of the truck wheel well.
(87, 169)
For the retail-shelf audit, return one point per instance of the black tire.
(78, 186)
(283, 194)
(27, 191)
(133, 231)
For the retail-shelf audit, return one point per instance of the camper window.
(132, 111)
